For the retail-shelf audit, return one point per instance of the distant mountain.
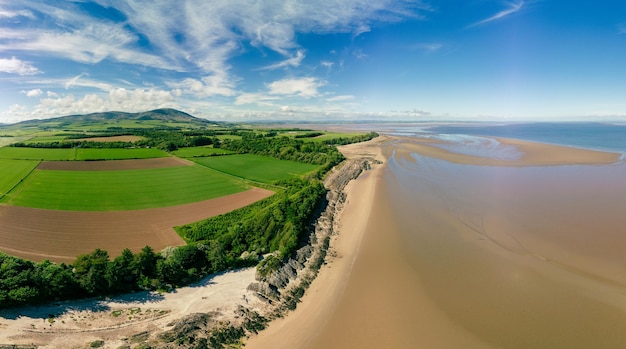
(166, 116)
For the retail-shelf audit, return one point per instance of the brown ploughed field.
(60, 236)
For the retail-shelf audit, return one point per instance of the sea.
(491, 256)
(589, 135)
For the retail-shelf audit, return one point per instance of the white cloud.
(342, 98)
(255, 98)
(621, 28)
(134, 100)
(203, 34)
(303, 87)
(12, 14)
(16, 66)
(513, 8)
(33, 93)
(289, 62)
(358, 53)
(328, 65)
(212, 85)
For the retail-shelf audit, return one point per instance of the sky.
(307, 60)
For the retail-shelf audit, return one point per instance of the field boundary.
(2, 196)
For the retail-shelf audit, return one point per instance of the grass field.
(118, 154)
(122, 190)
(332, 135)
(37, 154)
(256, 168)
(79, 154)
(193, 152)
(46, 139)
(12, 171)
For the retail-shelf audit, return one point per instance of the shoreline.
(368, 277)
(323, 305)
(299, 327)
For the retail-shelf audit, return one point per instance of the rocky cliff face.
(283, 286)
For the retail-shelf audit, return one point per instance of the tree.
(91, 272)
(122, 273)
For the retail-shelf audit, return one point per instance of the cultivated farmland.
(60, 236)
(37, 154)
(12, 172)
(257, 168)
(193, 152)
(122, 190)
(118, 154)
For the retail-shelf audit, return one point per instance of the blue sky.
(311, 60)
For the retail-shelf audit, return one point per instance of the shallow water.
(524, 257)
(466, 256)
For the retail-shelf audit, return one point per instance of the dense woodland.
(275, 225)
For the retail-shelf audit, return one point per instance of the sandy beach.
(118, 320)
(444, 250)
(435, 249)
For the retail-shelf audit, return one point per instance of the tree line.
(279, 224)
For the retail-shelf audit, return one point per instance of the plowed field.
(60, 236)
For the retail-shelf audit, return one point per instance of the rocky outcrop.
(282, 285)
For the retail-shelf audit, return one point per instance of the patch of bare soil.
(113, 165)
(61, 236)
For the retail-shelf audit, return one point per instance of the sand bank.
(447, 254)
(532, 153)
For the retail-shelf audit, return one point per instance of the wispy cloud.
(342, 98)
(289, 62)
(427, 47)
(16, 66)
(303, 87)
(189, 44)
(513, 7)
(12, 14)
(621, 28)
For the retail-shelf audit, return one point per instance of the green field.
(332, 135)
(37, 154)
(194, 152)
(79, 154)
(118, 154)
(257, 168)
(122, 190)
(12, 171)
(46, 139)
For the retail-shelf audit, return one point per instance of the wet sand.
(461, 251)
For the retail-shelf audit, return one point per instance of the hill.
(158, 118)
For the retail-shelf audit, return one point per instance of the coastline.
(359, 298)
(375, 293)
(300, 327)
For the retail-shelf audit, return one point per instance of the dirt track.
(60, 236)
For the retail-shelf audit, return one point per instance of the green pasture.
(46, 139)
(12, 171)
(122, 190)
(37, 153)
(257, 168)
(53, 154)
(118, 154)
(194, 152)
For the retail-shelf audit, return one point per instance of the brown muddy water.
(469, 256)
